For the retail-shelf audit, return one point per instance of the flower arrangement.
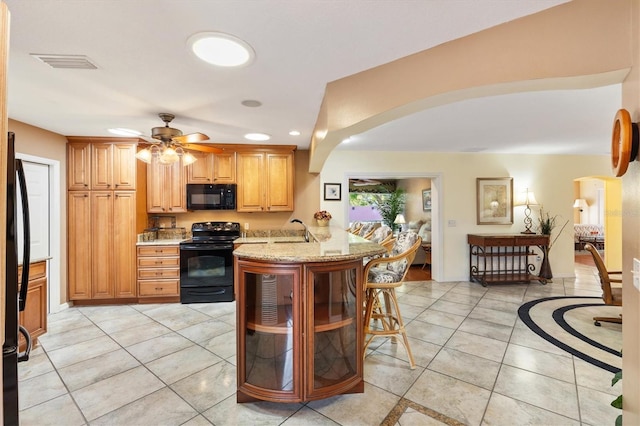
(322, 215)
(546, 224)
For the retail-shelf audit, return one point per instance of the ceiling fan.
(170, 145)
(365, 182)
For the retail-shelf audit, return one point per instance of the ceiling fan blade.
(202, 148)
(191, 137)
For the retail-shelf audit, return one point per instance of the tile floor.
(175, 365)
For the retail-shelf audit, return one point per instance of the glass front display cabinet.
(299, 333)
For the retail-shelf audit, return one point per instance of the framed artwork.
(332, 191)
(426, 200)
(494, 201)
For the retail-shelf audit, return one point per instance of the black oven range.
(206, 263)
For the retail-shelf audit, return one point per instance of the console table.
(505, 258)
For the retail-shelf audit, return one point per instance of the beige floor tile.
(307, 416)
(108, 395)
(39, 389)
(505, 411)
(389, 373)
(486, 329)
(158, 347)
(49, 413)
(452, 307)
(93, 370)
(495, 316)
(429, 332)
(71, 354)
(207, 387)
(594, 409)
(178, 365)
(440, 318)
(223, 345)
(206, 330)
(38, 364)
(466, 367)
(590, 376)
(484, 347)
(162, 407)
(372, 406)
(139, 333)
(230, 413)
(52, 341)
(454, 398)
(423, 352)
(536, 361)
(535, 389)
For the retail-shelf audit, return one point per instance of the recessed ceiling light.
(294, 133)
(257, 137)
(221, 49)
(120, 131)
(251, 103)
(346, 140)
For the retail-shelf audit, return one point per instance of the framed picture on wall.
(494, 201)
(426, 200)
(332, 191)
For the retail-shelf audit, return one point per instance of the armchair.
(611, 296)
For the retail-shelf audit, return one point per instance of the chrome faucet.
(306, 230)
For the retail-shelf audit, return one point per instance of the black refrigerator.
(15, 300)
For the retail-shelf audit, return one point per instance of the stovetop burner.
(212, 232)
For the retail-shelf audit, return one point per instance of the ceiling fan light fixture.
(144, 155)
(168, 156)
(257, 137)
(188, 158)
(221, 49)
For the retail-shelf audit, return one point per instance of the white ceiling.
(145, 67)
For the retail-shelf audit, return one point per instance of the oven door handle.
(212, 247)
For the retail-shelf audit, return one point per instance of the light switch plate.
(636, 273)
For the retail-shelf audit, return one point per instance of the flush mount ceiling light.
(258, 137)
(221, 49)
(294, 133)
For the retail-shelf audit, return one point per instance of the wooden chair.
(611, 296)
(383, 275)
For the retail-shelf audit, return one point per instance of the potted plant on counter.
(322, 217)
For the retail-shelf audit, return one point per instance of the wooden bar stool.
(383, 276)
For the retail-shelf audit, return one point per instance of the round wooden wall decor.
(621, 142)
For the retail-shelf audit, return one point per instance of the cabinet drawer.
(158, 262)
(158, 288)
(158, 273)
(36, 270)
(499, 242)
(158, 250)
(541, 240)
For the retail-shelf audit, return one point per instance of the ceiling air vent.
(66, 61)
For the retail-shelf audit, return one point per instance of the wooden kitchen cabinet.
(34, 316)
(101, 243)
(79, 166)
(224, 167)
(158, 272)
(265, 181)
(101, 164)
(212, 168)
(166, 188)
(299, 331)
(202, 170)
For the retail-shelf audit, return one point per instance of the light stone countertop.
(161, 242)
(331, 244)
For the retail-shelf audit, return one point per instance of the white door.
(37, 177)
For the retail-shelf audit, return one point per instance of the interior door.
(37, 176)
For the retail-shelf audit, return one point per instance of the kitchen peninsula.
(299, 316)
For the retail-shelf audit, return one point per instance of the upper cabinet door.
(224, 167)
(102, 166)
(202, 170)
(279, 178)
(124, 166)
(251, 194)
(79, 166)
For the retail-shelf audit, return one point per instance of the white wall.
(454, 195)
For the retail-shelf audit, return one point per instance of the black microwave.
(211, 196)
